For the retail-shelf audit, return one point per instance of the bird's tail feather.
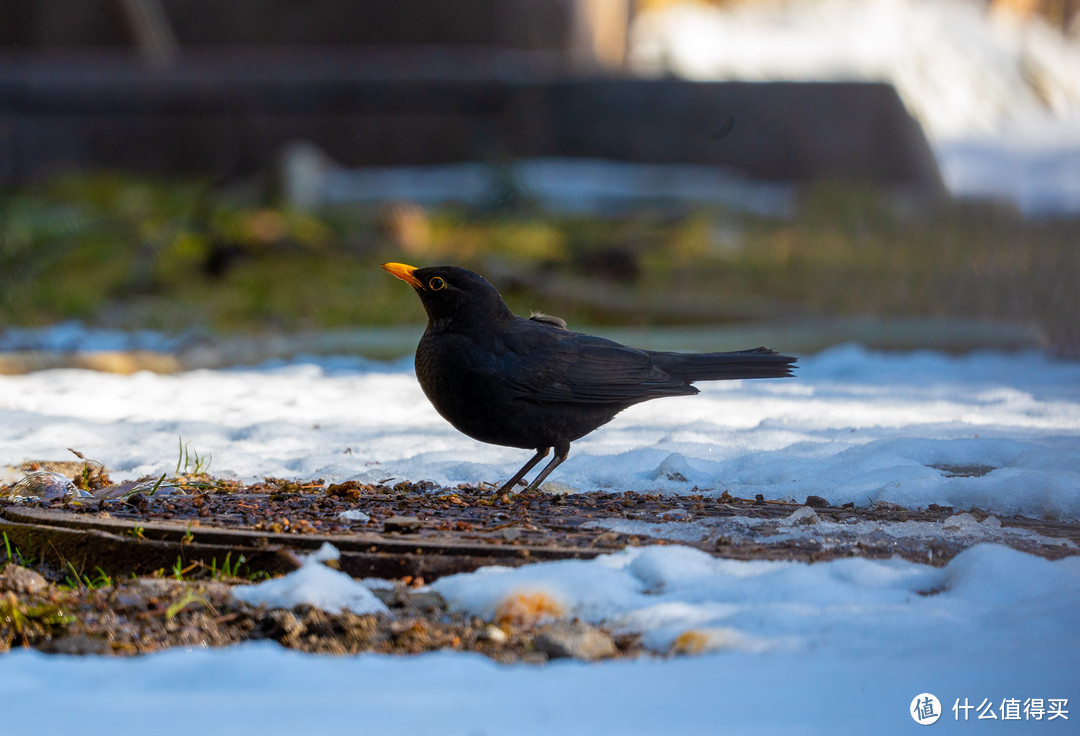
(755, 363)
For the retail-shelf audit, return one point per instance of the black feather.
(531, 383)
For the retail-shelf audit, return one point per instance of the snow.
(674, 595)
(313, 584)
(804, 522)
(769, 647)
(781, 647)
(961, 70)
(354, 515)
(558, 185)
(998, 97)
(72, 336)
(786, 650)
(1039, 173)
(854, 426)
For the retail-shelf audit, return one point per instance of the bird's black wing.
(559, 366)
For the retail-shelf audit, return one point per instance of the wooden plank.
(122, 547)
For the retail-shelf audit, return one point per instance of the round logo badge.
(925, 709)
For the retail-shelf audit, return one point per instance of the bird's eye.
(436, 283)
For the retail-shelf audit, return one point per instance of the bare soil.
(122, 572)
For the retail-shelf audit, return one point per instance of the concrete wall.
(227, 114)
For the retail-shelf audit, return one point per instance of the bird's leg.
(541, 453)
(562, 449)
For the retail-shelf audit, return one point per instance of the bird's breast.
(477, 387)
(457, 374)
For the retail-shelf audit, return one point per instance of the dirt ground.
(127, 569)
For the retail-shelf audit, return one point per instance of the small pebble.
(577, 641)
(21, 580)
(402, 524)
(81, 644)
(802, 516)
(494, 634)
(45, 486)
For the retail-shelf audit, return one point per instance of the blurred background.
(218, 181)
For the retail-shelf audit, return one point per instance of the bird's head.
(451, 294)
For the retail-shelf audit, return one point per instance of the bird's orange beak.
(403, 272)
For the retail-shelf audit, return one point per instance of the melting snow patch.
(805, 524)
(682, 600)
(673, 468)
(354, 515)
(314, 584)
(804, 516)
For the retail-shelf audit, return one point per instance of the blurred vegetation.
(119, 251)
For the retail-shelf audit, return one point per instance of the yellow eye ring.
(436, 283)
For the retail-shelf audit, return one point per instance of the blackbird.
(532, 383)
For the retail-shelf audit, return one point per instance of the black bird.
(534, 384)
